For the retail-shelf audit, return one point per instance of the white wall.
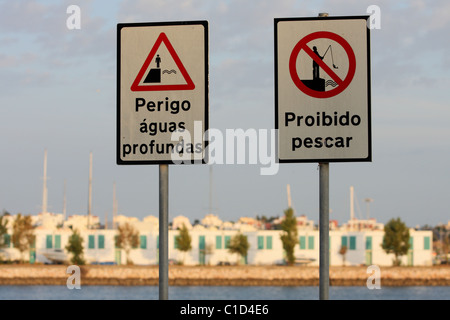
(265, 255)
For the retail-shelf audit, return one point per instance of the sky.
(58, 93)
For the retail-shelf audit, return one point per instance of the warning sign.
(322, 89)
(162, 92)
(160, 69)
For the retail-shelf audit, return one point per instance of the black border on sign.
(204, 23)
(369, 120)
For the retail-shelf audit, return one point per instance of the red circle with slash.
(302, 45)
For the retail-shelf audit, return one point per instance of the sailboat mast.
(90, 191)
(44, 187)
(64, 202)
(114, 206)
(352, 209)
(210, 188)
(289, 196)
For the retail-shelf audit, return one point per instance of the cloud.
(58, 89)
(28, 16)
(41, 50)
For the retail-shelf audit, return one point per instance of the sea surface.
(222, 293)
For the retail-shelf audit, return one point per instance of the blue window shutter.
(269, 242)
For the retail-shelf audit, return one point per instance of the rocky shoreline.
(222, 275)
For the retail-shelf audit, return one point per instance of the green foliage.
(127, 239)
(184, 241)
(289, 238)
(239, 244)
(75, 247)
(23, 234)
(343, 252)
(396, 239)
(3, 231)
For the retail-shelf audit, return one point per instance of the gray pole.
(324, 228)
(324, 225)
(163, 232)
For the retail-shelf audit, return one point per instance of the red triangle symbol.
(137, 86)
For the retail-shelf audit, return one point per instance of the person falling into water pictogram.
(154, 75)
(315, 64)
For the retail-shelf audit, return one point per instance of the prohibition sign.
(302, 45)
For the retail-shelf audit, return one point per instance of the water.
(221, 293)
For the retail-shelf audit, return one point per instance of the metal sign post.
(324, 225)
(322, 102)
(162, 90)
(163, 232)
(324, 230)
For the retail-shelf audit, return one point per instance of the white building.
(179, 221)
(303, 223)
(81, 222)
(210, 246)
(211, 220)
(359, 224)
(48, 220)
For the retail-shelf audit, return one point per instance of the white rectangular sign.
(322, 89)
(162, 89)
